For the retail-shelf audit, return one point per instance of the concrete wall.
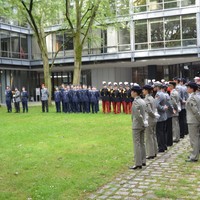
(110, 75)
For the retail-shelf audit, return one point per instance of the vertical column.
(198, 26)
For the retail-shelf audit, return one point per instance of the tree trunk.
(77, 59)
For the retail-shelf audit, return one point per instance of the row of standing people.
(16, 96)
(163, 117)
(117, 97)
(76, 99)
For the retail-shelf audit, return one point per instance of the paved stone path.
(166, 177)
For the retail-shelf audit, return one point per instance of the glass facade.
(13, 45)
(168, 32)
(153, 5)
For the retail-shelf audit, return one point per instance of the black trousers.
(182, 122)
(25, 106)
(17, 107)
(169, 132)
(58, 106)
(161, 136)
(45, 105)
(9, 105)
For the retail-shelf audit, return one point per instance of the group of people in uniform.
(16, 96)
(116, 97)
(162, 113)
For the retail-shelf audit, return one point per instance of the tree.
(39, 14)
(81, 17)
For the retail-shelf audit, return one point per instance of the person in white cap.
(116, 99)
(105, 96)
(121, 90)
(127, 98)
(110, 89)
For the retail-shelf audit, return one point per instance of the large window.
(156, 31)
(172, 31)
(168, 32)
(189, 32)
(5, 44)
(124, 39)
(152, 5)
(141, 34)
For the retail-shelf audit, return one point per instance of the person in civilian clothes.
(150, 131)
(44, 98)
(193, 120)
(57, 98)
(175, 121)
(9, 96)
(127, 98)
(161, 123)
(105, 96)
(17, 100)
(24, 97)
(139, 123)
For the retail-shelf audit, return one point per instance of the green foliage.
(61, 156)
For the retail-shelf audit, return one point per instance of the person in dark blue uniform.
(85, 99)
(57, 98)
(9, 96)
(66, 99)
(75, 99)
(24, 98)
(62, 89)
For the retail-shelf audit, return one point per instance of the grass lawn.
(61, 156)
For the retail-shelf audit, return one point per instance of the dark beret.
(136, 88)
(147, 87)
(192, 85)
(172, 83)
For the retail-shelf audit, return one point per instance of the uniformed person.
(44, 98)
(17, 100)
(127, 98)
(9, 96)
(110, 89)
(122, 102)
(105, 96)
(85, 100)
(161, 123)
(139, 122)
(116, 98)
(24, 98)
(174, 95)
(193, 120)
(150, 131)
(57, 98)
(66, 98)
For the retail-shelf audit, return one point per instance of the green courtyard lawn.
(61, 156)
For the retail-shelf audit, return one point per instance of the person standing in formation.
(58, 99)
(9, 96)
(44, 98)
(193, 120)
(150, 131)
(17, 100)
(105, 96)
(139, 122)
(24, 96)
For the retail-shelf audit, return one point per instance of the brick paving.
(166, 174)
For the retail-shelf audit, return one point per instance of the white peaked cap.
(125, 83)
(153, 80)
(114, 83)
(163, 80)
(149, 81)
(109, 83)
(135, 84)
(196, 78)
(131, 83)
(103, 82)
(120, 83)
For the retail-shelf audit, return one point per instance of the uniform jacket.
(138, 113)
(57, 96)
(9, 95)
(175, 100)
(193, 109)
(44, 94)
(150, 108)
(105, 94)
(66, 96)
(24, 96)
(160, 103)
(17, 96)
(116, 95)
(169, 111)
(127, 95)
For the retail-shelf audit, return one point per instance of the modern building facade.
(160, 39)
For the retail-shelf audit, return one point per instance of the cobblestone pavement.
(166, 177)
